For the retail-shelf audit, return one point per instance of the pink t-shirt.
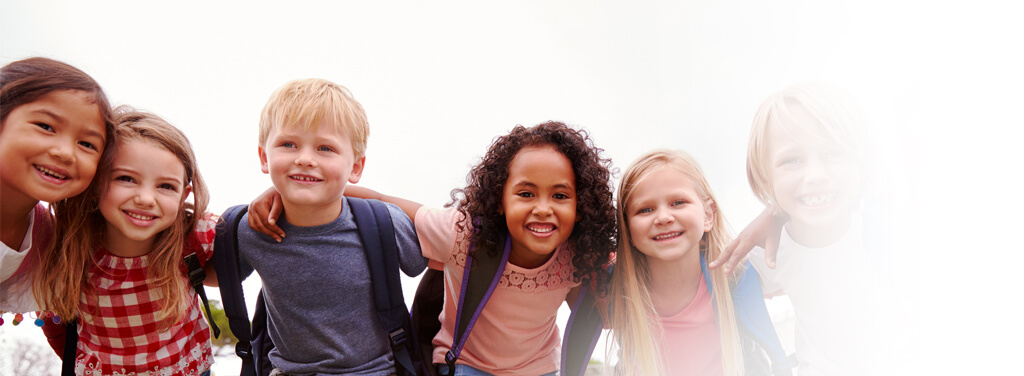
(118, 326)
(691, 344)
(516, 333)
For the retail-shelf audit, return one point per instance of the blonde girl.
(670, 315)
(116, 266)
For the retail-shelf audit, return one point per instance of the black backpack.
(478, 283)
(377, 233)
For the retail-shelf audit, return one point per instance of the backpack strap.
(196, 275)
(381, 248)
(582, 332)
(225, 263)
(475, 292)
(70, 349)
(752, 316)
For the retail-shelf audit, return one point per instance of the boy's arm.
(211, 275)
(766, 229)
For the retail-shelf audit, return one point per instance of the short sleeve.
(436, 229)
(409, 255)
(769, 282)
(201, 239)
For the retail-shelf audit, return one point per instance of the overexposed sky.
(439, 80)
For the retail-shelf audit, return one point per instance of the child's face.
(539, 204)
(142, 198)
(815, 180)
(666, 216)
(50, 147)
(310, 169)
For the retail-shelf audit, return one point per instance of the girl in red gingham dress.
(117, 264)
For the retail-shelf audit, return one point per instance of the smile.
(541, 228)
(669, 235)
(138, 216)
(51, 173)
(305, 178)
(816, 200)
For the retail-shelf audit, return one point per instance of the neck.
(674, 284)
(817, 235)
(14, 216)
(123, 247)
(307, 216)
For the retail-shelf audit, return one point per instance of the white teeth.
(666, 236)
(541, 230)
(140, 217)
(817, 199)
(51, 172)
(305, 178)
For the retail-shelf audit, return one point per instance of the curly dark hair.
(593, 236)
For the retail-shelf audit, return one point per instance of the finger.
(722, 257)
(742, 248)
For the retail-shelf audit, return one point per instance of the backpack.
(196, 275)
(377, 233)
(478, 283)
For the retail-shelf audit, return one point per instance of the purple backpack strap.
(476, 290)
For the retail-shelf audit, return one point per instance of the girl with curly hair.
(548, 188)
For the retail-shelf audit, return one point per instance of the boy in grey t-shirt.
(316, 281)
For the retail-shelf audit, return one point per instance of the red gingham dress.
(118, 325)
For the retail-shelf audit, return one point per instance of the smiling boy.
(316, 282)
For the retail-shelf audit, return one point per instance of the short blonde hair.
(836, 119)
(310, 102)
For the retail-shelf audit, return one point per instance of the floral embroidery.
(557, 274)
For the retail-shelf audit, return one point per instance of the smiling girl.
(117, 268)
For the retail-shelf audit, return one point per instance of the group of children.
(108, 252)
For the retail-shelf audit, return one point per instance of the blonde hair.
(311, 102)
(79, 227)
(835, 117)
(634, 322)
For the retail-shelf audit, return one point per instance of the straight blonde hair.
(309, 103)
(60, 277)
(634, 322)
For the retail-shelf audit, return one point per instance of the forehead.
(325, 129)
(663, 181)
(541, 164)
(148, 156)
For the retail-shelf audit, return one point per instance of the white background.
(940, 85)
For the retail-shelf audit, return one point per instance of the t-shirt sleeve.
(409, 256)
(769, 281)
(436, 229)
(203, 235)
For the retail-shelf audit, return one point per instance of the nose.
(144, 197)
(816, 170)
(306, 158)
(663, 217)
(63, 151)
(542, 209)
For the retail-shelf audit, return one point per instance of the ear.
(184, 195)
(357, 170)
(710, 208)
(263, 160)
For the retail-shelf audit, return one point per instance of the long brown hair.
(79, 227)
(634, 322)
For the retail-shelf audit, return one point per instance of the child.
(806, 163)
(316, 282)
(669, 313)
(55, 129)
(548, 188)
(118, 267)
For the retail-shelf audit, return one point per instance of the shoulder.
(201, 238)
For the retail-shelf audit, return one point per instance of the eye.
(325, 148)
(88, 145)
(168, 186)
(525, 194)
(561, 196)
(44, 126)
(644, 211)
(288, 144)
(790, 161)
(125, 178)
(678, 202)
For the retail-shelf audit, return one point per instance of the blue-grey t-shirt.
(316, 284)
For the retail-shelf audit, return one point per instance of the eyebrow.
(532, 185)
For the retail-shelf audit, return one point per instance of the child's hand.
(765, 231)
(264, 211)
